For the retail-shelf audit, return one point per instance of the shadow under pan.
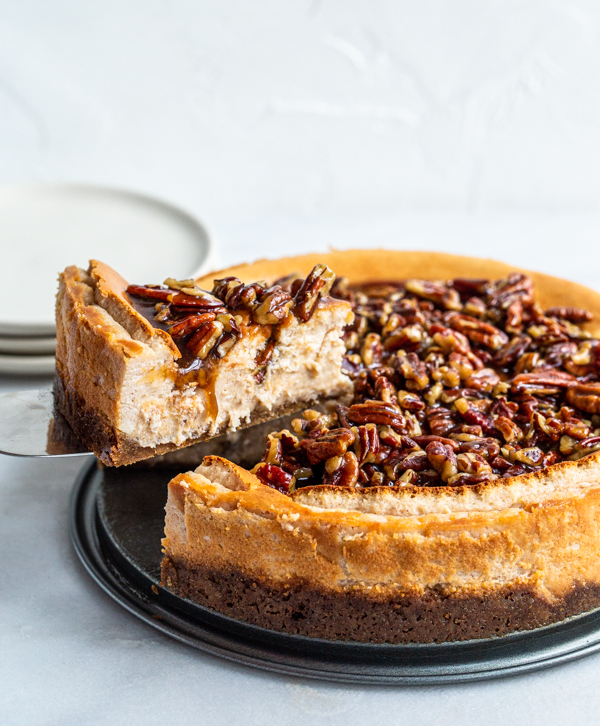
(116, 524)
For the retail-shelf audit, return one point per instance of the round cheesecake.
(409, 559)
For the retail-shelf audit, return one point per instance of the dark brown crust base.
(113, 448)
(433, 617)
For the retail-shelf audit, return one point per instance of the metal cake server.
(30, 426)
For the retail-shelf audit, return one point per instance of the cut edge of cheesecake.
(118, 383)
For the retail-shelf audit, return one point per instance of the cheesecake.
(147, 369)
(456, 496)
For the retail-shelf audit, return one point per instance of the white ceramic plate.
(27, 346)
(27, 365)
(44, 228)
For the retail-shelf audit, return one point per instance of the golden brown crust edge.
(519, 568)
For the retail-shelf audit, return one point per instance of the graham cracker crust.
(435, 616)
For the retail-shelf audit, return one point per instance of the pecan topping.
(573, 315)
(376, 412)
(204, 339)
(273, 307)
(205, 323)
(456, 383)
(585, 396)
(317, 284)
(478, 331)
(332, 443)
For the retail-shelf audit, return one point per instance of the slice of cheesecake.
(142, 370)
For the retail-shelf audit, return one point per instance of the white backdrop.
(465, 126)
(237, 108)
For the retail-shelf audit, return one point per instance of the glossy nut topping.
(455, 383)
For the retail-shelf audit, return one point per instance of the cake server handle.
(29, 426)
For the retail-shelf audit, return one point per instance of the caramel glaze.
(189, 370)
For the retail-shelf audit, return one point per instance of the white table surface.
(70, 655)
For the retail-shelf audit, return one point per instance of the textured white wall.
(312, 106)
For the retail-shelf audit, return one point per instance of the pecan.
(485, 379)
(559, 352)
(409, 478)
(573, 315)
(275, 477)
(549, 425)
(475, 307)
(473, 464)
(585, 396)
(418, 461)
(205, 301)
(181, 284)
(410, 401)
(515, 287)
(236, 295)
(477, 331)
(527, 362)
(500, 463)
(394, 322)
(393, 464)
(575, 428)
(224, 344)
(486, 447)
(273, 307)
(385, 390)
(333, 443)
(503, 407)
(188, 325)
(231, 323)
(408, 338)
(442, 458)
(475, 417)
(371, 350)
(203, 340)
(367, 444)
(462, 479)
(274, 450)
(511, 351)
(543, 382)
(584, 448)
(346, 473)
(441, 420)
(288, 281)
(470, 287)
(352, 365)
(317, 284)
(424, 441)
(461, 364)
(531, 456)
(437, 292)
(376, 412)
(414, 371)
(262, 360)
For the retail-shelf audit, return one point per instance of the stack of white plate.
(44, 228)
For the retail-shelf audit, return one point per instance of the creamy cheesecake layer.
(119, 375)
